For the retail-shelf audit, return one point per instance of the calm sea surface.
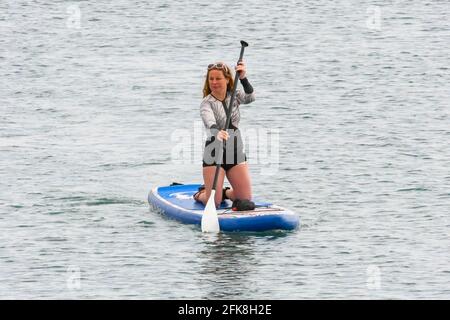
(100, 102)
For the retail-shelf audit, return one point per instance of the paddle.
(210, 221)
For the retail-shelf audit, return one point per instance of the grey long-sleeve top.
(213, 113)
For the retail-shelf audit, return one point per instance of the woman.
(217, 92)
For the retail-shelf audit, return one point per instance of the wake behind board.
(176, 202)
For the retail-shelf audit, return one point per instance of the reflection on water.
(229, 259)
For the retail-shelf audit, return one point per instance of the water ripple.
(89, 107)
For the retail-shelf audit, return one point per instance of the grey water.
(100, 102)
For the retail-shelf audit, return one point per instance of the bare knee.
(242, 195)
(217, 198)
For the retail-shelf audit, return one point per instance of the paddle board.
(177, 202)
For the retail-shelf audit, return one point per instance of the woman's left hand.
(241, 68)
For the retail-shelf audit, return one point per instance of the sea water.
(350, 129)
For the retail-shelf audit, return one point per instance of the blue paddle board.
(177, 202)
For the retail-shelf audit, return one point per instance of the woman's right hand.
(222, 135)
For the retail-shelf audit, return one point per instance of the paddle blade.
(210, 221)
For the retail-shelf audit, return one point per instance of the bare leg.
(239, 177)
(208, 178)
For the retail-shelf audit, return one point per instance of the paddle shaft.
(230, 110)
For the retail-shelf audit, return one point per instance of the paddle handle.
(230, 109)
(236, 78)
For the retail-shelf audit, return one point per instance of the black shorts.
(233, 151)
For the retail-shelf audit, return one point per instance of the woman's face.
(217, 81)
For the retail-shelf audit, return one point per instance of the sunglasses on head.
(218, 65)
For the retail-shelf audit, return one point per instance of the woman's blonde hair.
(227, 74)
